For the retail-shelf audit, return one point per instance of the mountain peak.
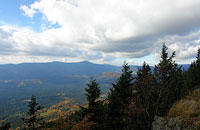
(86, 62)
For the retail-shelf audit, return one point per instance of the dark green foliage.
(118, 100)
(144, 99)
(95, 107)
(78, 115)
(129, 105)
(168, 76)
(33, 121)
(94, 110)
(198, 56)
(192, 76)
(5, 127)
(155, 93)
(92, 94)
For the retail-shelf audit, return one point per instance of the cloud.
(27, 11)
(23, 42)
(185, 46)
(98, 29)
(7, 45)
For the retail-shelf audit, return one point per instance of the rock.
(161, 123)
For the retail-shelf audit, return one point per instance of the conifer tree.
(118, 100)
(143, 107)
(168, 75)
(198, 68)
(94, 104)
(192, 76)
(198, 57)
(33, 121)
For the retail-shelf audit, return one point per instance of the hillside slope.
(188, 111)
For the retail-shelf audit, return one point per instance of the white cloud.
(131, 28)
(22, 42)
(27, 11)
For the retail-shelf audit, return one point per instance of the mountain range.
(57, 69)
(49, 80)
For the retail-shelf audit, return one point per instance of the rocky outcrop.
(161, 123)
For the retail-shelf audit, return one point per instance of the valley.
(49, 82)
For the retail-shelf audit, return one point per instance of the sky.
(99, 31)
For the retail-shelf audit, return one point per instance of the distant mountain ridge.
(46, 80)
(57, 69)
(51, 70)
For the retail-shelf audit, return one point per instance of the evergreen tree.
(143, 107)
(33, 121)
(118, 100)
(94, 104)
(198, 57)
(198, 68)
(5, 127)
(168, 75)
(94, 111)
(192, 76)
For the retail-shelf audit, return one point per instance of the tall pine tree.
(94, 104)
(192, 76)
(168, 75)
(142, 110)
(118, 100)
(33, 121)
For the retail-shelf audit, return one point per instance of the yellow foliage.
(18, 128)
(59, 114)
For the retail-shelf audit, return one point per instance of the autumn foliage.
(132, 102)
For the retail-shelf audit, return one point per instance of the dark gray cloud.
(62, 52)
(7, 45)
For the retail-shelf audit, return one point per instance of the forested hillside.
(49, 82)
(132, 102)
